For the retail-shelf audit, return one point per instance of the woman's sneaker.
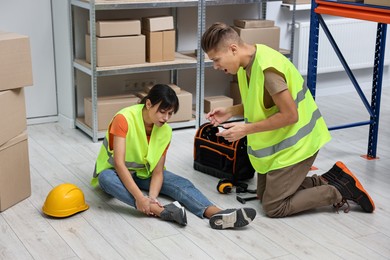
(232, 218)
(174, 212)
(349, 186)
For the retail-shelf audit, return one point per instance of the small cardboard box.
(253, 23)
(173, 86)
(15, 183)
(117, 51)
(269, 36)
(107, 107)
(216, 101)
(157, 23)
(378, 2)
(235, 93)
(185, 107)
(12, 114)
(298, 2)
(117, 28)
(15, 61)
(160, 46)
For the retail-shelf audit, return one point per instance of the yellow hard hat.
(64, 200)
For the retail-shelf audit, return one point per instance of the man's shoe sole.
(232, 219)
(363, 199)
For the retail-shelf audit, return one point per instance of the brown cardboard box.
(173, 86)
(185, 107)
(15, 183)
(253, 23)
(117, 51)
(160, 46)
(117, 28)
(298, 2)
(235, 93)
(12, 114)
(157, 23)
(269, 36)
(15, 61)
(377, 2)
(216, 101)
(107, 107)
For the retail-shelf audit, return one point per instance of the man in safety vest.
(283, 125)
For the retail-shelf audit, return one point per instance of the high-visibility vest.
(288, 145)
(141, 156)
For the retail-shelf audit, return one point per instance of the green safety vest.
(141, 156)
(288, 145)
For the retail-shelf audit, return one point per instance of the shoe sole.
(234, 219)
(364, 199)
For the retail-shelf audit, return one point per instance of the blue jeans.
(174, 186)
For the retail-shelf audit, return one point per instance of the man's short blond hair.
(218, 36)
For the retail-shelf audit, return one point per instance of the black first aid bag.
(218, 157)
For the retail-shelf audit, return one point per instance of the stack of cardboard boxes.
(254, 31)
(15, 73)
(185, 103)
(118, 42)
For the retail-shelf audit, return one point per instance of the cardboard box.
(107, 107)
(12, 114)
(185, 107)
(117, 28)
(173, 86)
(253, 23)
(15, 183)
(298, 2)
(216, 101)
(269, 36)
(117, 51)
(378, 2)
(160, 46)
(15, 61)
(235, 93)
(157, 23)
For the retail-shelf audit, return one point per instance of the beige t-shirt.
(274, 82)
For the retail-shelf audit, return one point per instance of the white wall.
(33, 18)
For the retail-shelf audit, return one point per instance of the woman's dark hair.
(164, 94)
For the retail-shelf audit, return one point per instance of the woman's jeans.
(174, 186)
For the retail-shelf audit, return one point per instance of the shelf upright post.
(292, 37)
(376, 89)
(92, 35)
(200, 64)
(313, 50)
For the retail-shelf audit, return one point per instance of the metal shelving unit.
(206, 63)
(181, 61)
(378, 14)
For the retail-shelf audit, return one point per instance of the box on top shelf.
(160, 46)
(157, 23)
(298, 2)
(117, 51)
(269, 36)
(15, 182)
(253, 23)
(107, 107)
(378, 2)
(12, 114)
(15, 61)
(112, 28)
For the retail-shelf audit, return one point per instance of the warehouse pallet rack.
(378, 14)
(182, 61)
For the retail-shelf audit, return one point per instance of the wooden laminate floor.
(110, 229)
